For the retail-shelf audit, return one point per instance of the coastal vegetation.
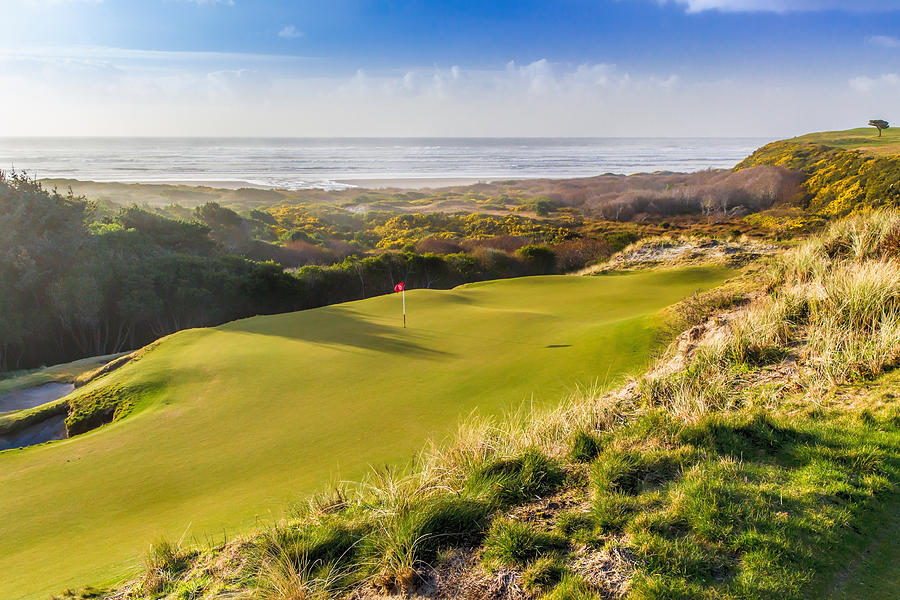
(753, 460)
(81, 280)
(95, 277)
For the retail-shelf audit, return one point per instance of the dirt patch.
(462, 577)
(608, 570)
(675, 251)
(35, 396)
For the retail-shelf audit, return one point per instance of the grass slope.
(864, 139)
(229, 423)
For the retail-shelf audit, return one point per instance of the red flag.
(399, 287)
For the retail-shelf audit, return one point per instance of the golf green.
(232, 423)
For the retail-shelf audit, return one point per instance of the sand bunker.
(53, 428)
(35, 396)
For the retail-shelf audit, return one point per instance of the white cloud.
(866, 84)
(289, 32)
(885, 41)
(785, 6)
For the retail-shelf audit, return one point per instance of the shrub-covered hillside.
(843, 172)
(753, 461)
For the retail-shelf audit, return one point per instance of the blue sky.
(345, 67)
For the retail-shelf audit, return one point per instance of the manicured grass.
(862, 138)
(231, 423)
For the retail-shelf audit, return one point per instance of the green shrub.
(163, 563)
(540, 257)
(413, 535)
(317, 543)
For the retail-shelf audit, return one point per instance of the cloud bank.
(114, 91)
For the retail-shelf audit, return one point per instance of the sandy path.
(35, 396)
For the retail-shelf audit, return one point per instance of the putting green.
(238, 420)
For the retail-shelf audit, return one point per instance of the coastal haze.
(339, 163)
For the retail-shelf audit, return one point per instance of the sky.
(768, 68)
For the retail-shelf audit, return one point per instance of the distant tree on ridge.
(879, 124)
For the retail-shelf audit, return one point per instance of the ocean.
(336, 163)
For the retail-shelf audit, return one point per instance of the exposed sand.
(35, 396)
(53, 428)
(408, 183)
(219, 185)
(417, 183)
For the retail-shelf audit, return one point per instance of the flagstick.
(403, 295)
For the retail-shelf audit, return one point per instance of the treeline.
(74, 286)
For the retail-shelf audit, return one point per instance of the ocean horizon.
(339, 163)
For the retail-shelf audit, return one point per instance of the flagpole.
(403, 295)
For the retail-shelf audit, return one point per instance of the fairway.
(236, 421)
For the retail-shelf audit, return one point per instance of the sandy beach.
(409, 183)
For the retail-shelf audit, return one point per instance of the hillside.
(840, 176)
(759, 458)
(220, 428)
(863, 139)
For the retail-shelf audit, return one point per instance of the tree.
(879, 124)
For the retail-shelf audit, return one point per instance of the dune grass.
(228, 425)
